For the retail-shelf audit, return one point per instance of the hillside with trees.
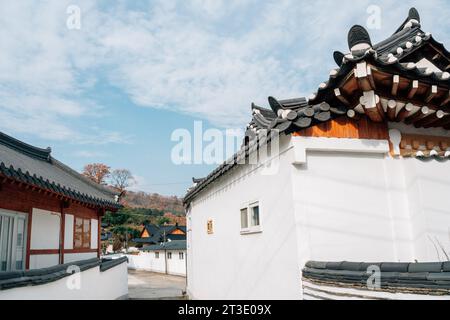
(138, 207)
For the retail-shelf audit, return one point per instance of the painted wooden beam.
(446, 99)
(429, 120)
(391, 109)
(337, 93)
(440, 123)
(422, 113)
(362, 77)
(405, 112)
(413, 89)
(431, 93)
(352, 114)
(372, 106)
(395, 83)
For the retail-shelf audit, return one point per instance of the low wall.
(146, 261)
(368, 281)
(96, 280)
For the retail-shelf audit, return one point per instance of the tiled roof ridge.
(108, 191)
(40, 182)
(45, 155)
(25, 148)
(395, 276)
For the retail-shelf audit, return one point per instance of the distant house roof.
(158, 233)
(35, 166)
(171, 245)
(106, 236)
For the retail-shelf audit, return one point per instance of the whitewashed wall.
(45, 228)
(109, 285)
(176, 266)
(334, 201)
(68, 231)
(376, 209)
(147, 261)
(344, 209)
(228, 265)
(43, 260)
(94, 233)
(71, 257)
(428, 190)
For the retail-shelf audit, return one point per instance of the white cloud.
(89, 154)
(210, 58)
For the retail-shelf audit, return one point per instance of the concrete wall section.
(229, 265)
(45, 229)
(90, 284)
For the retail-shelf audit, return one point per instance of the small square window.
(244, 218)
(255, 216)
(181, 255)
(250, 219)
(169, 255)
(156, 255)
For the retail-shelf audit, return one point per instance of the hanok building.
(362, 175)
(50, 218)
(153, 234)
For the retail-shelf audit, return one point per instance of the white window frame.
(250, 228)
(180, 255)
(12, 250)
(156, 254)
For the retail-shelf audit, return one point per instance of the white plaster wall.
(45, 228)
(71, 257)
(352, 204)
(345, 209)
(43, 261)
(228, 265)
(176, 266)
(94, 233)
(68, 231)
(109, 285)
(147, 261)
(428, 190)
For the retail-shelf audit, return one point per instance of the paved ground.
(149, 285)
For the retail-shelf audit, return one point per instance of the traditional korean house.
(360, 173)
(50, 218)
(154, 234)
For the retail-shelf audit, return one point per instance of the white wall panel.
(68, 233)
(45, 229)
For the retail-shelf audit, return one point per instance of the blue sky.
(115, 90)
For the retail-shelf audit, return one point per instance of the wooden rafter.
(337, 93)
(420, 114)
(391, 109)
(429, 120)
(395, 83)
(407, 111)
(431, 93)
(413, 89)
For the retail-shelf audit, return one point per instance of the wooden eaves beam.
(395, 83)
(413, 89)
(431, 93)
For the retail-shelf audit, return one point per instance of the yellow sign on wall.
(209, 226)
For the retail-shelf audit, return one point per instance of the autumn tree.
(163, 220)
(121, 179)
(97, 172)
